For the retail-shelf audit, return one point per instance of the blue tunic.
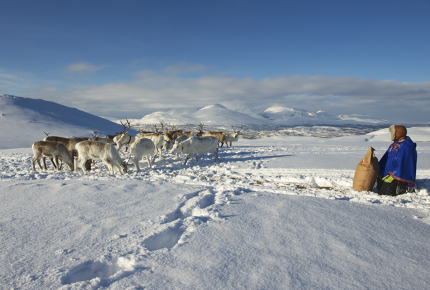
(400, 162)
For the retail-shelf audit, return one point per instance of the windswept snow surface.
(274, 213)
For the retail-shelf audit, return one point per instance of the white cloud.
(82, 68)
(151, 91)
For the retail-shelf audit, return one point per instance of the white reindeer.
(195, 145)
(142, 147)
(54, 151)
(168, 145)
(122, 140)
(230, 137)
(106, 139)
(99, 151)
(157, 139)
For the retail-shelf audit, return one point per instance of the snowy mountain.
(35, 117)
(210, 115)
(284, 115)
(220, 115)
(276, 115)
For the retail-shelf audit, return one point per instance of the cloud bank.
(179, 87)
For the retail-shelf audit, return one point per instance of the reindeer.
(70, 144)
(219, 135)
(123, 139)
(54, 151)
(173, 134)
(170, 137)
(157, 139)
(195, 146)
(230, 137)
(93, 150)
(191, 134)
(142, 147)
(106, 139)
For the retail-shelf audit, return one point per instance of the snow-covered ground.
(274, 213)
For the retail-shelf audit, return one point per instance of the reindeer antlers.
(238, 130)
(126, 126)
(158, 130)
(201, 125)
(96, 135)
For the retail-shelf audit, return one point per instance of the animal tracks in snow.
(167, 238)
(194, 209)
(101, 273)
(167, 231)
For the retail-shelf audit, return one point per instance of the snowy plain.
(273, 213)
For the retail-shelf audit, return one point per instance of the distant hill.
(24, 121)
(276, 115)
(280, 114)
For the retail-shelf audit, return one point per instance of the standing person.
(398, 166)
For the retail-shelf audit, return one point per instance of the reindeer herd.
(108, 148)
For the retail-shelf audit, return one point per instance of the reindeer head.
(177, 148)
(123, 167)
(236, 132)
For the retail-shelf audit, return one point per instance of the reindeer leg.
(149, 161)
(83, 161)
(136, 163)
(38, 162)
(53, 161)
(197, 158)
(110, 166)
(44, 163)
(56, 163)
(33, 162)
(88, 164)
(155, 155)
(188, 157)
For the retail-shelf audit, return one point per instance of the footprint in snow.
(107, 270)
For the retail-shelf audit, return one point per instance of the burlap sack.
(366, 172)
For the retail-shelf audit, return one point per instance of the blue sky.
(129, 58)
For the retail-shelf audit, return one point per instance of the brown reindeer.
(70, 144)
(54, 151)
(219, 135)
